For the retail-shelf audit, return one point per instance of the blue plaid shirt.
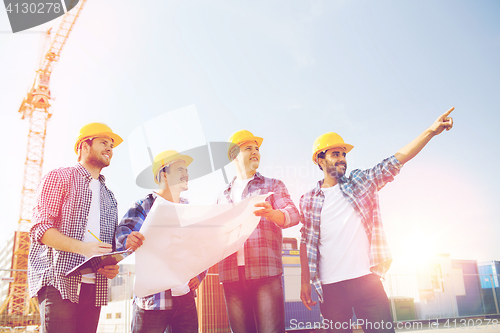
(132, 221)
(263, 247)
(361, 190)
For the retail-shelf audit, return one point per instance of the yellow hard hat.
(328, 141)
(239, 138)
(94, 130)
(166, 158)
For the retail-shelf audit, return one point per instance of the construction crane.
(36, 108)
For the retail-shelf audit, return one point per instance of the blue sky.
(376, 72)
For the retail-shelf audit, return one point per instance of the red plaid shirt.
(263, 247)
(63, 202)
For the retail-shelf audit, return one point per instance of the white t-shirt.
(93, 222)
(343, 244)
(183, 289)
(237, 189)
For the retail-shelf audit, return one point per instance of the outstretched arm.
(413, 148)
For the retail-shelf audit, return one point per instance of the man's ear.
(82, 149)
(85, 146)
(321, 162)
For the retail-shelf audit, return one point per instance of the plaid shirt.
(132, 221)
(63, 200)
(263, 247)
(361, 190)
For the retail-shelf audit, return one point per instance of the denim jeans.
(61, 315)
(182, 318)
(255, 305)
(369, 300)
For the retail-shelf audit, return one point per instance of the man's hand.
(269, 213)
(93, 248)
(134, 240)
(109, 271)
(305, 295)
(413, 148)
(194, 283)
(442, 123)
(53, 238)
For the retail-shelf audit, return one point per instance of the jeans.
(255, 305)
(182, 318)
(61, 315)
(369, 300)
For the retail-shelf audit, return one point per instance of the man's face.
(334, 163)
(100, 152)
(249, 156)
(178, 176)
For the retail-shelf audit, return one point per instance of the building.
(6, 253)
(5, 265)
(489, 275)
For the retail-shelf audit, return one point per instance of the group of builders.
(343, 248)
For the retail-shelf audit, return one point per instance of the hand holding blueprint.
(181, 241)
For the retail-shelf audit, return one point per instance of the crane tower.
(36, 108)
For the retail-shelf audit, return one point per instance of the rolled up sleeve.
(384, 172)
(48, 202)
(281, 200)
(131, 221)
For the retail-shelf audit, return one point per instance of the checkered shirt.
(263, 247)
(132, 221)
(361, 190)
(63, 200)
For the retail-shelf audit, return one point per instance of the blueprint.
(181, 241)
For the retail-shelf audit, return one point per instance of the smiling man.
(252, 277)
(174, 308)
(69, 202)
(343, 249)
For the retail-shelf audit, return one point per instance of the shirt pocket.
(365, 196)
(361, 190)
(109, 217)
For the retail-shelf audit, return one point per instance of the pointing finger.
(447, 113)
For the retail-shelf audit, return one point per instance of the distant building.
(289, 244)
(122, 286)
(5, 265)
(212, 314)
(490, 288)
(117, 315)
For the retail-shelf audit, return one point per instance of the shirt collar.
(317, 189)
(155, 195)
(257, 175)
(85, 173)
